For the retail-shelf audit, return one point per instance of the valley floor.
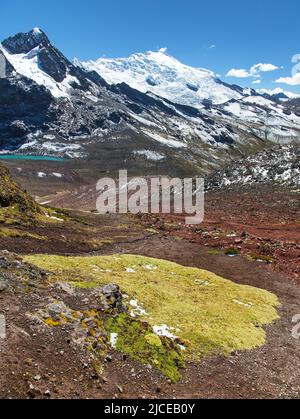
(33, 364)
(250, 239)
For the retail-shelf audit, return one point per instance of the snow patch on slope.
(150, 155)
(169, 141)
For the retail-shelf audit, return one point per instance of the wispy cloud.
(254, 71)
(212, 46)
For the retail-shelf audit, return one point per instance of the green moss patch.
(137, 340)
(211, 313)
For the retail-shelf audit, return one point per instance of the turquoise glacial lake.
(29, 157)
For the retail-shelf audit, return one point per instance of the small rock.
(57, 308)
(47, 393)
(3, 285)
(110, 298)
(108, 358)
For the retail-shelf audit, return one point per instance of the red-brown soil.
(261, 222)
(255, 222)
(267, 372)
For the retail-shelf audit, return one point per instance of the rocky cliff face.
(293, 106)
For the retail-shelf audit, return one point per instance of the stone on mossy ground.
(209, 313)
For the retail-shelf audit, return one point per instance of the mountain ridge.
(54, 107)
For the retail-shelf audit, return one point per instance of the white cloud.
(212, 46)
(238, 73)
(291, 81)
(256, 81)
(254, 71)
(262, 68)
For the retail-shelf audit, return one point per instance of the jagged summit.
(22, 43)
(32, 51)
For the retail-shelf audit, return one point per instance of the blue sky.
(219, 35)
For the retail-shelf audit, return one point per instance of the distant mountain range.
(147, 111)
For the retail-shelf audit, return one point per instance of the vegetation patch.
(18, 208)
(16, 205)
(98, 243)
(49, 216)
(214, 252)
(15, 234)
(137, 340)
(209, 313)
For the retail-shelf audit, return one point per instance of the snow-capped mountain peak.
(22, 43)
(33, 56)
(154, 105)
(165, 76)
